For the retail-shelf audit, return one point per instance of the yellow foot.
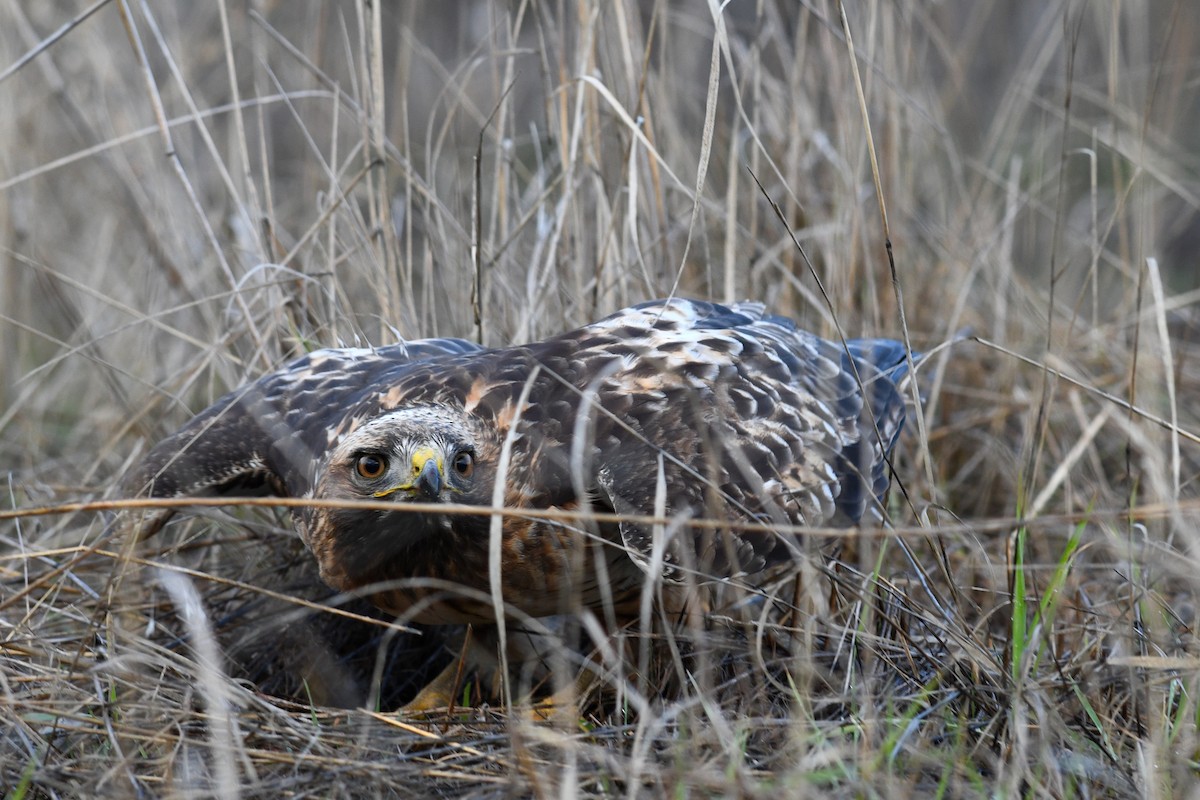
(443, 693)
(437, 695)
(564, 705)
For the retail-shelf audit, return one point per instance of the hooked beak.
(424, 479)
(429, 477)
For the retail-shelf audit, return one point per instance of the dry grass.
(191, 193)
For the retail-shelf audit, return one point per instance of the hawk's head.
(425, 454)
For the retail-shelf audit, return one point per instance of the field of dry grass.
(192, 193)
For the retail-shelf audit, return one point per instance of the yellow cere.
(420, 457)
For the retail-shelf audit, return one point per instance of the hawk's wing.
(732, 414)
(269, 436)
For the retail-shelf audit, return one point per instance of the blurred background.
(193, 192)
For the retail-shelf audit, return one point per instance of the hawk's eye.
(370, 466)
(464, 463)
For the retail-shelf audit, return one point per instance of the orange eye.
(464, 463)
(370, 466)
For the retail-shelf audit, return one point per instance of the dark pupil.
(463, 462)
(370, 466)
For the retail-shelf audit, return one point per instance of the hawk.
(675, 408)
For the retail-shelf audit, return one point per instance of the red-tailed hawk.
(696, 409)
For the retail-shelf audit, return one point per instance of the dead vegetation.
(192, 193)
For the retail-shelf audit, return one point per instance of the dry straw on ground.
(192, 192)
